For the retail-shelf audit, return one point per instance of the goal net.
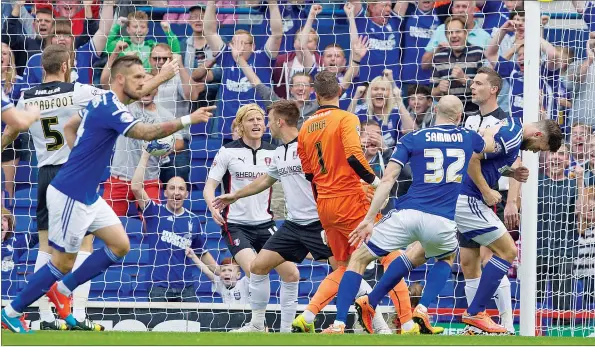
(156, 289)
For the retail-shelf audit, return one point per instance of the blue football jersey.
(104, 119)
(168, 236)
(6, 102)
(507, 146)
(439, 157)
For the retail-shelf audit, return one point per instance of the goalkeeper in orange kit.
(332, 159)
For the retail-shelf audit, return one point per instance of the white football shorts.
(399, 229)
(478, 222)
(71, 220)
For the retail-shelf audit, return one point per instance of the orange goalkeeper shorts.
(339, 217)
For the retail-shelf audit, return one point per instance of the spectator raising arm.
(137, 183)
(274, 41)
(267, 93)
(214, 40)
(491, 51)
(302, 52)
(191, 89)
(106, 20)
(359, 94)
(105, 78)
(350, 11)
(359, 48)
(207, 270)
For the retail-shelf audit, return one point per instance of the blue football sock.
(346, 295)
(39, 283)
(398, 269)
(93, 266)
(490, 279)
(435, 281)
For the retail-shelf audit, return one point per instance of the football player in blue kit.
(75, 208)
(439, 156)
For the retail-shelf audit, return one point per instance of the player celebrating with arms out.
(332, 159)
(439, 156)
(74, 207)
(248, 224)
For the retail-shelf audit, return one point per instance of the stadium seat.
(111, 285)
(134, 228)
(26, 197)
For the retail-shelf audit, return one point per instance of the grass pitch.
(71, 338)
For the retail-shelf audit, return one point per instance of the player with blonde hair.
(247, 224)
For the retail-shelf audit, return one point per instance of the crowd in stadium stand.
(394, 60)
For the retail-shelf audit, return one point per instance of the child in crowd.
(230, 284)
(137, 29)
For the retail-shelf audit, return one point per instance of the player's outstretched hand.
(216, 215)
(521, 174)
(222, 201)
(361, 233)
(202, 115)
(492, 197)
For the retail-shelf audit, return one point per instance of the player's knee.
(259, 267)
(359, 260)
(121, 250)
(63, 261)
(509, 253)
(291, 275)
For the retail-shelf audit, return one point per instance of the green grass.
(52, 338)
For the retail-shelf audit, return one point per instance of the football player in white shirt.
(58, 100)
(302, 232)
(248, 224)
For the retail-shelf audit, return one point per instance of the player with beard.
(58, 100)
(74, 207)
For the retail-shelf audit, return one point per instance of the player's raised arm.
(137, 183)
(20, 120)
(149, 132)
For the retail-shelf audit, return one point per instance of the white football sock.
(80, 293)
(470, 289)
(260, 293)
(45, 311)
(289, 294)
(408, 325)
(308, 316)
(504, 304)
(364, 288)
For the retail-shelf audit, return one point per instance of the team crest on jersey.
(236, 242)
(295, 155)
(267, 161)
(504, 122)
(126, 117)
(237, 295)
(170, 219)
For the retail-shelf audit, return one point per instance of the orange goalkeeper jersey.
(331, 154)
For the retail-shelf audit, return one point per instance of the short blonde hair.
(390, 101)
(243, 113)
